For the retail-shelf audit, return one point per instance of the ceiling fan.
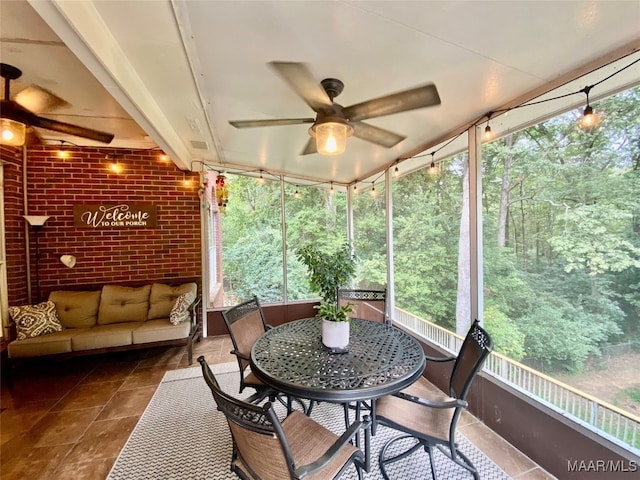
(18, 113)
(333, 122)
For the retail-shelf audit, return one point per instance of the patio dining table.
(380, 360)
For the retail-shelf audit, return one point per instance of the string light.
(355, 188)
(589, 119)
(396, 172)
(261, 179)
(487, 129)
(185, 181)
(296, 194)
(62, 152)
(331, 190)
(374, 192)
(432, 168)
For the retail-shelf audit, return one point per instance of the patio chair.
(245, 322)
(432, 420)
(298, 447)
(367, 304)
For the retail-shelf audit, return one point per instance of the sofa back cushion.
(163, 298)
(123, 304)
(76, 309)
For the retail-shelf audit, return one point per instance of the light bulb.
(487, 133)
(432, 169)
(588, 118)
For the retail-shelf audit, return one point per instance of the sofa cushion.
(104, 336)
(123, 304)
(180, 311)
(76, 309)
(35, 320)
(163, 298)
(52, 343)
(159, 330)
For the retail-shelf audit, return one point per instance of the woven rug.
(182, 435)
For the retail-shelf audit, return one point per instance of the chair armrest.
(335, 448)
(453, 403)
(240, 355)
(440, 359)
(193, 309)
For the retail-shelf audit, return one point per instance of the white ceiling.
(174, 73)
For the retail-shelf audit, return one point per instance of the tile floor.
(70, 419)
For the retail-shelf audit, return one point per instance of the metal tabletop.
(381, 360)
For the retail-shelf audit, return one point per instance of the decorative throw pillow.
(34, 320)
(180, 311)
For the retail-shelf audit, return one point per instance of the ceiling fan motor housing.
(333, 87)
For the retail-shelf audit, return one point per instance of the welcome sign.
(122, 215)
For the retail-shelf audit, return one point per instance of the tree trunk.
(504, 195)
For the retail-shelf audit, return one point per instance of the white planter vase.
(335, 334)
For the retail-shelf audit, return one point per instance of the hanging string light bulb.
(222, 193)
(432, 168)
(396, 172)
(589, 119)
(331, 190)
(296, 194)
(374, 192)
(261, 179)
(487, 129)
(62, 151)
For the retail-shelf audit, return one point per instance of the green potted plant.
(328, 271)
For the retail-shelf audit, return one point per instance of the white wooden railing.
(608, 420)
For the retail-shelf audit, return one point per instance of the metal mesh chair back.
(256, 432)
(245, 323)
(265, 448)
(476, 347)
(367, 304)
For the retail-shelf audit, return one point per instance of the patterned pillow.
(34, 320)
(180, 311)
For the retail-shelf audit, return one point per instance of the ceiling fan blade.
(71, 129)
(300, 79)
(376, 135)
(310, 147)
(38, 100)
(15, 111)
(270, 123)
(419, 97)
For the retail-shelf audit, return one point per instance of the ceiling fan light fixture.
(13, 132)
(331, 135)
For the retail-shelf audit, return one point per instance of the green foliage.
(332, 312)
(633, 393)
(507, 337)
(328, 270)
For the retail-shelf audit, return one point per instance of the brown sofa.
(112, 318)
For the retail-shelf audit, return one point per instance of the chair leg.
(384, 461)
(460, 459)
(429, 450)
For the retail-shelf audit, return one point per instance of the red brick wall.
(54, 186)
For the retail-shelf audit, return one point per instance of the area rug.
(182, 435)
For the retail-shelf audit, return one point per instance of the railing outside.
(608, 420)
